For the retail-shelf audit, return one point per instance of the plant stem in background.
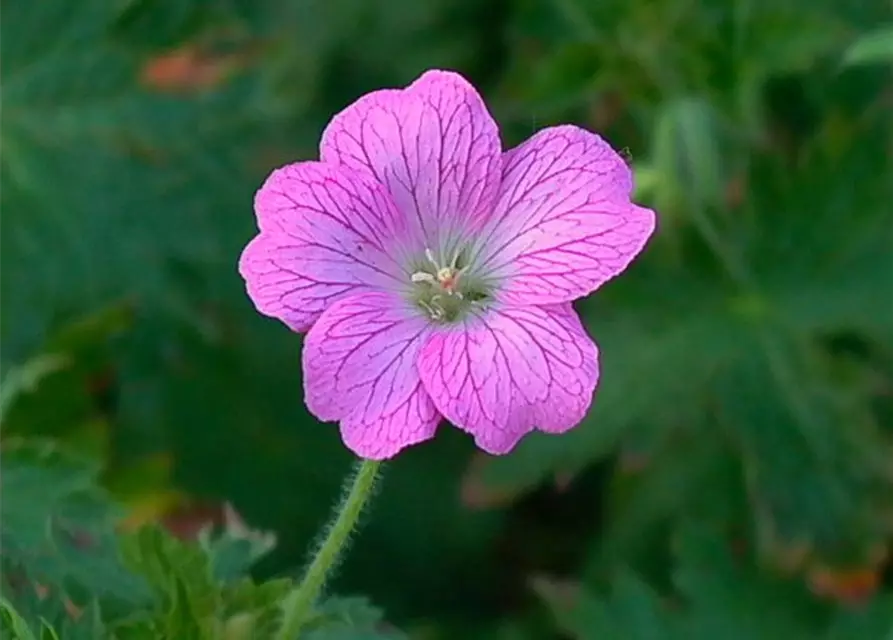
(299, 603)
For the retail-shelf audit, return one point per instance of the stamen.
(446, 293)
(435, 312)
(423, 276)
(430, 255)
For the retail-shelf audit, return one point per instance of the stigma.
(448, 278)
(446, 292)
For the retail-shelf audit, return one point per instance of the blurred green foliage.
(734, 476)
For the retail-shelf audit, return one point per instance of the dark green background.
(747, 358)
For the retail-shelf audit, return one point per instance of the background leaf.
(871, 48)
(732, 476)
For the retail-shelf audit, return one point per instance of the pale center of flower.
(446, 292)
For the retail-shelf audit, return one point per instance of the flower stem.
(298, 605)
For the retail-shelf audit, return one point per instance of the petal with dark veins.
(325, 233)
(433, 145)
(564, 223)
(360, 369)
(507, 371)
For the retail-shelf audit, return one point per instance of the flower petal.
(384, 436)
(503, 373)
(564, 223)
(324, 235)
(360, 368)
(434, 145)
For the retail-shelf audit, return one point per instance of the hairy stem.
(298, 605)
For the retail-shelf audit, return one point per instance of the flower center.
(447, 292)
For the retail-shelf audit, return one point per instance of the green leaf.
(349, 619)
(352, 634)
(632, 610)
(236, 548)
(25, 378)
(871, 622)
(732, 599)
(690, 475)
(130, 169)
(159, 23)
(180, 574)
(816, 465)
(48, 633)
(12, 623)
(348, 633)
(717, 595)
(58, 526)
(192, 601)
(686, 155)
(52, 616)
(184, 619)
(875, 47)
(783, 40)
(251, 609)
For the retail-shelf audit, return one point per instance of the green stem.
(299, 603)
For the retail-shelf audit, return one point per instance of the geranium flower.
(434, 272)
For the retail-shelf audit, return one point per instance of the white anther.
(434, 310)
(423, 276)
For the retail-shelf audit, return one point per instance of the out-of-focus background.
(734, 478)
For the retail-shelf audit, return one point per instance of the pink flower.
(434, 272)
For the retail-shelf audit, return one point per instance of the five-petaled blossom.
(435, 271)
